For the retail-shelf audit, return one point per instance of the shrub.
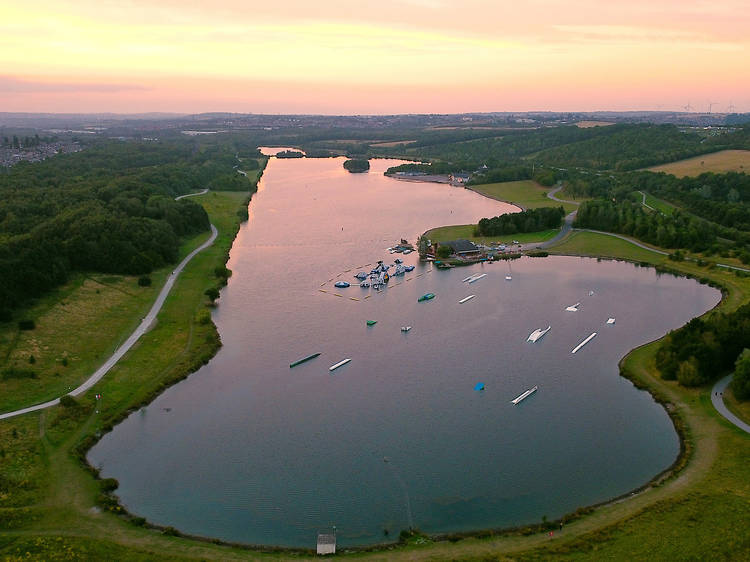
(144, 281)
(67, 401)
(26, 325)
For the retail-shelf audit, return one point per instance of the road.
(717, 399)
(142, 328)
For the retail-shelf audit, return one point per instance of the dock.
(584, 342)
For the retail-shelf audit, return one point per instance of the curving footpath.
(142, 328)
(717, 399)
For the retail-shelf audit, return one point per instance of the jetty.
(303, 360)
(584, 342)
(525, 394)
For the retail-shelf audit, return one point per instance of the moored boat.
(426, 297)
(341, 284)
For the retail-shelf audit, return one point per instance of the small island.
(357, 165)
(290, 154)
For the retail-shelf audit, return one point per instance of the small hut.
(326, 543)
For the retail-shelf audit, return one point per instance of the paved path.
(142, 328)
(191, 194)
(644, 201)
(717, 399)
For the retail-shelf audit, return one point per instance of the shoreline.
(678, 467)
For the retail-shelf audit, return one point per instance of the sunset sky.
(386, 56)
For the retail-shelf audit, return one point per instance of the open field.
(49, 506)
(587, 124)
(525, 193)
(466, 231)
(99, 311)
(392, 143)
(718, 162)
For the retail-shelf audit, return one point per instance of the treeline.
(110, 208)
(516, 172)
(679, 230)
(704, 349)
(532, 220)
(721, 198)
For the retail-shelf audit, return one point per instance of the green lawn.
(466, 231)
(525, 193)
(594, 244)
(660, 205)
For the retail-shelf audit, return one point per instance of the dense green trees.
(679, 230)
(357, 165)
(741, 380)
(532, 220)
(705, 349)
(109, 208)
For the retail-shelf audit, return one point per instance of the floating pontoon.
(584, 342)
(339, 364)
(463, 300)
(477, 278)
(525, 394)
(538, 334)
(300, 361)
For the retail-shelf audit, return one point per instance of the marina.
(584, 342)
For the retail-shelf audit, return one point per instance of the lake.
(247, 449)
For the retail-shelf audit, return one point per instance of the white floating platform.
(538, 334)
(463, 300)
(508, 278)
(339, 364)
(573, 308)
(611, 321)
(477, 278)
(584, 342)
(525, 394)
(465, 279)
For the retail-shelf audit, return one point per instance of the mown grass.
(525, 193)
(50, 505)
(718, 162)
(466, 231)
(660, 205)
(602, 245)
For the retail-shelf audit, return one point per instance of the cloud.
(16, 85)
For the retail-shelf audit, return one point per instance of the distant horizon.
(399, 57)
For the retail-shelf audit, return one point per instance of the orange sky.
(389, 56)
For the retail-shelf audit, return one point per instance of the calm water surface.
(247, 449)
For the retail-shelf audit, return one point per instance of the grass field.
(51, 509)
(525, 193)
(660, 205)
(466, 231)
(718, 162)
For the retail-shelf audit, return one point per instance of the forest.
(532, 220)
(705, 348)
(109, 208)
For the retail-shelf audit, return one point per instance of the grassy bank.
(466, 231)
(525, 193)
